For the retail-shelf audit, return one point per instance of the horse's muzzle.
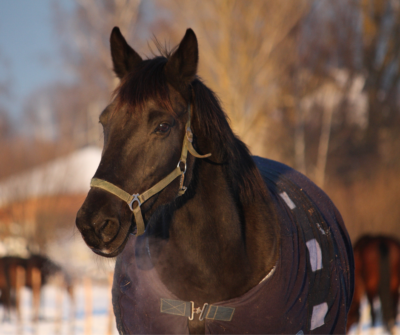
(103, 234)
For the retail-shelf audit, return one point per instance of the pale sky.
(28, 48)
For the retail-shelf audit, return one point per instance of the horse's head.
(145, 129)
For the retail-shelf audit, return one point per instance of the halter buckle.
(182, 189)
(135, 198)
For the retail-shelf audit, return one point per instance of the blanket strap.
(186, 308)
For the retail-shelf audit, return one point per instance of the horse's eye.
(163, 128)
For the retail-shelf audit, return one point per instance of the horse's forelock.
(147, 82)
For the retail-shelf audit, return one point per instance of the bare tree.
(86, 53)
(381, 61)
(360, 37)
(240, 54)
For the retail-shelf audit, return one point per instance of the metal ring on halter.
(135, 198)
(184, 171)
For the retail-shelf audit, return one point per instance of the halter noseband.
(141, 198)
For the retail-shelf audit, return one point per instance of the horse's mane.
(244, 176)
(148, 81)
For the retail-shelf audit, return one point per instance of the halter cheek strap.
(130, 199)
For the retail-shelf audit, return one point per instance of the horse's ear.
(124, 58)
(181, 67)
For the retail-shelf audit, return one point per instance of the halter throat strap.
(180, 170)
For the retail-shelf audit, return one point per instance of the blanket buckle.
(198, 310)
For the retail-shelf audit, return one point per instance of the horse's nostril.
(107, 230)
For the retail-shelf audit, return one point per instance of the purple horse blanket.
(309, 291)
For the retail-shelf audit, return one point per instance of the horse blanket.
(309, 291)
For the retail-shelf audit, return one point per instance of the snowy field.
(364, 328)
(100, 321)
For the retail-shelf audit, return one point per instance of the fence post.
(110, 309)
(60, 287)
(72, 309)
(87, 284)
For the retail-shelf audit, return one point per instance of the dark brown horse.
(198, 224)
(377, 274)
(37, 270)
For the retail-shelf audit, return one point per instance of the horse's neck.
(216, 250)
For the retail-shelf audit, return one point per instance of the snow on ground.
(364, 328)
(101, 320)
(98, 324)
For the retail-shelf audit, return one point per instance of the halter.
(141, 198)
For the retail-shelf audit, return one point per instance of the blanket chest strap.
(186, 308)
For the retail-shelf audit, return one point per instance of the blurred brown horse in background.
(377, 274)
(33, 272)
